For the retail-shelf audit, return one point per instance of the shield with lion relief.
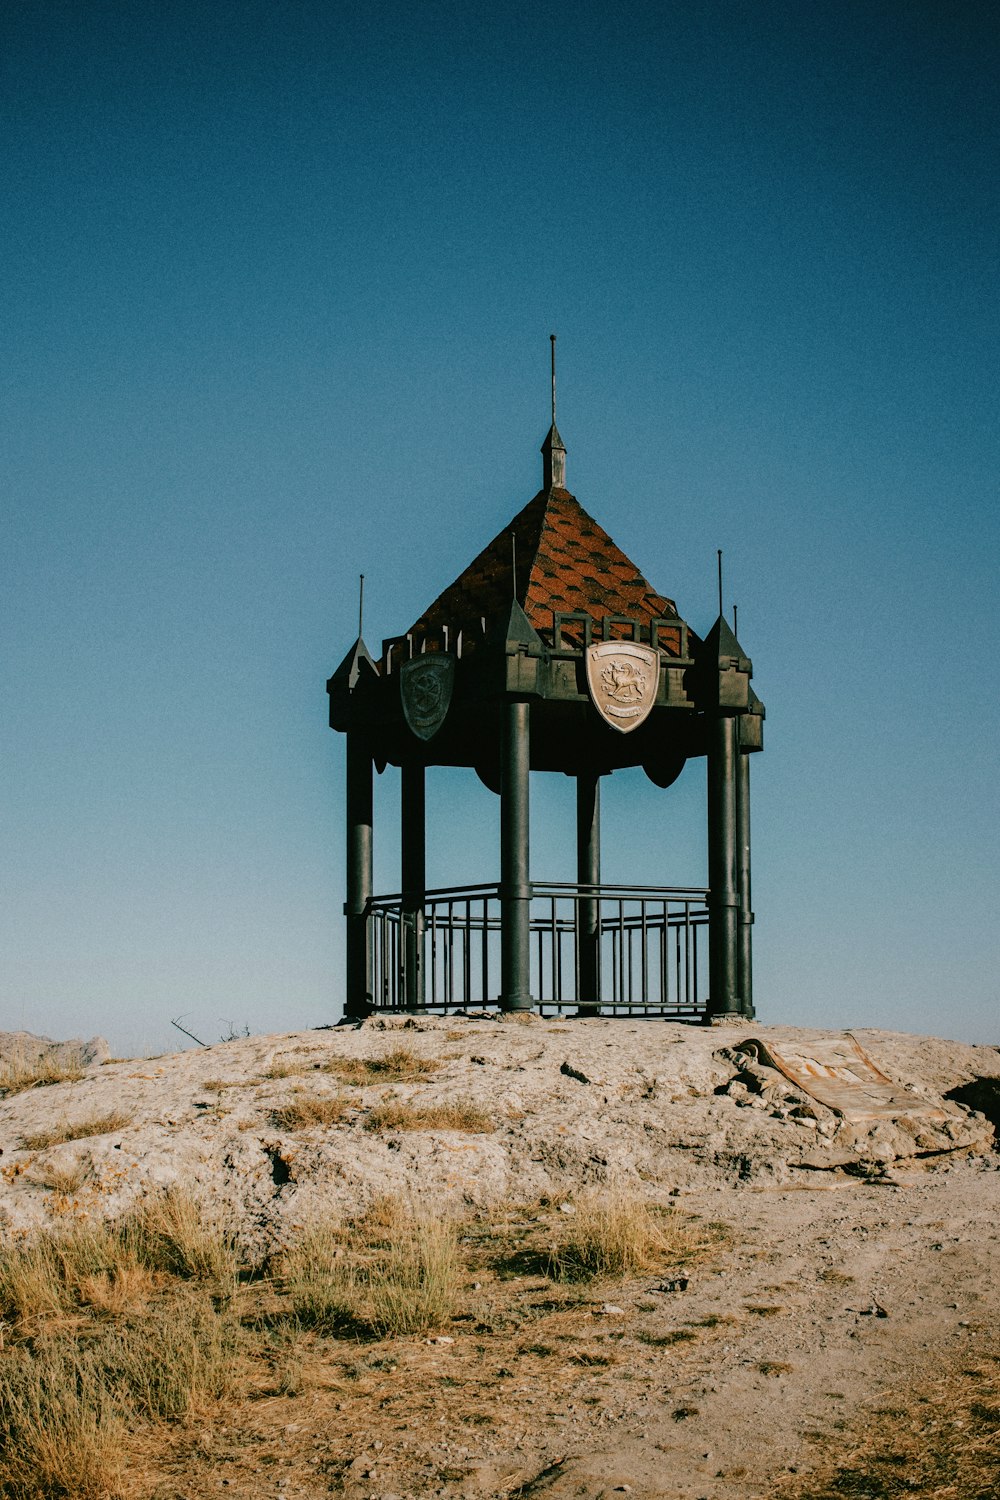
(622, 677)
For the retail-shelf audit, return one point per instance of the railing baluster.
(621, 950)
(554, 920)
(645, 956)
(449, 988)
(467, 956)
(664, 937)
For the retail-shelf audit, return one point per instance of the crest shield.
(425, 687)
(622, 677)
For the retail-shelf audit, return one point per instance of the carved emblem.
(425, 686)
(622, 677)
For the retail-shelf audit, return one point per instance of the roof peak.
(553, 461)
(566, 563)
(553, 448)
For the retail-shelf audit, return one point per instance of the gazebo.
(549, 652)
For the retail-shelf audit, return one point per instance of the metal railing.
(621, 949)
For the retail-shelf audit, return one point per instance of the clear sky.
(277, 283)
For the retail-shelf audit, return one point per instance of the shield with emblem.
(425, 686)
(622, 677)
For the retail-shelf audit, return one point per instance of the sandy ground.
(860, 1258)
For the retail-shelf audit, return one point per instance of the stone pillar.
(723, 910)
(515, 884)
(588, 872)
(744, 960)
(359, 998)
(414, 881)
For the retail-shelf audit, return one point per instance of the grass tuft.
(61, 1177)
(619, 1234)
(414, 1289)
(460, 1114)
(173, 1361)
(320, 1281)
(397, 1065)
(304, 1110)
(401, 1277)
(63, 1130)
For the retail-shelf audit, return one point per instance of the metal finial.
(736, 618)
(719, 555)
(552, 340)
(361, 604)
(513, 560)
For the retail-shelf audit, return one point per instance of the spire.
(553, 449)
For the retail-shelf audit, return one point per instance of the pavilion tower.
(550, 651)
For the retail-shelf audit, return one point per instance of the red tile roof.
(565, 562)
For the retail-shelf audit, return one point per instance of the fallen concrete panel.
(838, 1073)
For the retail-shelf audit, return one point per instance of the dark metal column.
(744, 976)
(414, 882)
(515, 884)
(724, 900)
(359, 997)
(588, 872)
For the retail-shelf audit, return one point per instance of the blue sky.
(277, 283)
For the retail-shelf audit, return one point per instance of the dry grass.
(414, 1287)
(668, 1339)
(17, 1073)
(61, 1434)
(172, 1236)
(109, 1267)
(460, 1114)
(402, 1276)
(61, 1177)
(320, 1281)
(64, 1130)
(32, 1285)
(173, 1362)
(284, 1067)
(120, 1290)
(305, 1109)
(67, 1405)
(109, 1325)
(942, 1439)
(113, 1331)
(619, 1234)
(397, 1065)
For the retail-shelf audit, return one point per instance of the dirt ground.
(855, 1267)
(741, 1378)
